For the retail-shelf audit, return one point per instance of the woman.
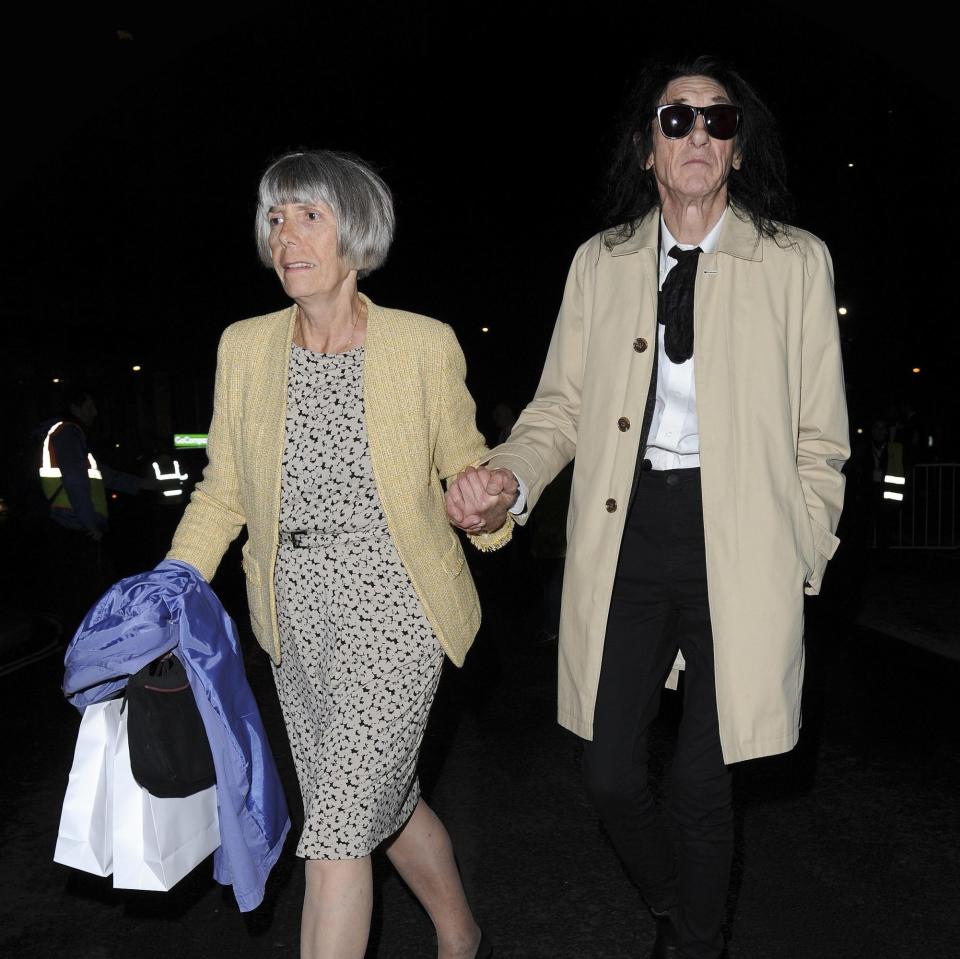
(334, 422)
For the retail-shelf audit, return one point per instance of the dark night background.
(135, 143)
(133, 148)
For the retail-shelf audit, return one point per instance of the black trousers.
(78, 572)
(659, 605)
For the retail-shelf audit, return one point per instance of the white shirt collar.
(667, 242)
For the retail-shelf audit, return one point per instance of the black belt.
(307, 538)
(674, 477)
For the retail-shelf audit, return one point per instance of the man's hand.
(479, 498)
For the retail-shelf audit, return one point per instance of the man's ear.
(646, 161)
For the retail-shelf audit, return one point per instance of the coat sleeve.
(214, 517)
(459, 443)
(544, 438)
(823, 443)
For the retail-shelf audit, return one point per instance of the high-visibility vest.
(894, 479)
(51, 479)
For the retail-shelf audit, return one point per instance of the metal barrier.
(928, 515)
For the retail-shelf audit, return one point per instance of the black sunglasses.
(722, 120)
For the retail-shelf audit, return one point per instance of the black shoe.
(484, 948)
(667, 943)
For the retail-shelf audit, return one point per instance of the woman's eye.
(313, 215)
(275, 220)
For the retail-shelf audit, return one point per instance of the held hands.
(479, 498)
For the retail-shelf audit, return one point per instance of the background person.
(74, 485)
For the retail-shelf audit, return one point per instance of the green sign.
(190, 441)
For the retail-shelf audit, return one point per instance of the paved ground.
(915, 596)
(847, 847)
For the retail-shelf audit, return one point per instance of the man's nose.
(699, 133)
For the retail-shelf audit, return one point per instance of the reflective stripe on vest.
(51, 479)
(894, 479)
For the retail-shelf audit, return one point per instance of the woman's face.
(303, 246)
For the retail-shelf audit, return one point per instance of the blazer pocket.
(249, 565)
(252, 575)
(453, 558)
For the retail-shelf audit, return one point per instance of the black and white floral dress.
(359, 661)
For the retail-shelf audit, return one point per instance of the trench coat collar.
(738, 237)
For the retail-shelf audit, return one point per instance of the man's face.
(695, 166)
(85, 412)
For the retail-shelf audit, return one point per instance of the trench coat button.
(623, 424)
(611, 505)
(640, 344)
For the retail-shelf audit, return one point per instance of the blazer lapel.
(379, 392)
(266, 412)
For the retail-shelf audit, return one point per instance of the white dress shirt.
(674, 438)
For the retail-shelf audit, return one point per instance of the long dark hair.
(757, 191)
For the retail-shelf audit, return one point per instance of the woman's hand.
(478, 499)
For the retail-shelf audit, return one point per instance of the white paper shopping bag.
(156, 842)
(85, 837)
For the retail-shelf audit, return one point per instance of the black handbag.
(169, 752)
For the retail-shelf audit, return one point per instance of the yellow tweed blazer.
(421, 429)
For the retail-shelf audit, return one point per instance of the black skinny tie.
(675, 305)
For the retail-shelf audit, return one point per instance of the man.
(74, 486)
(695, 373)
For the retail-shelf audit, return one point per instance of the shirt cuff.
(521, 503)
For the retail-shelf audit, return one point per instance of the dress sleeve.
(214, 517)
(459, 442)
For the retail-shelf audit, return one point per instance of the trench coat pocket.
(824, 546)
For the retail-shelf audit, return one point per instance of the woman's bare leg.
(337, 904)
(423, 855)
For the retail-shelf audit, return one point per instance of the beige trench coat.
(773, 435)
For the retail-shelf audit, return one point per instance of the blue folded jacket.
(173, 608)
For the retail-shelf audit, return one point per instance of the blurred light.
(56, 379)
(113, 496)
(895, 480)
(916, 369)
(859, 429)
(842, 311)
(484, 329)
(172, 492)
(116, 446)
(188, 441)
(849, 166)
(929, 441)
(175, 475)
(896, 497)
(137, 368)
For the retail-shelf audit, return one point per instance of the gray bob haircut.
(360, 200)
